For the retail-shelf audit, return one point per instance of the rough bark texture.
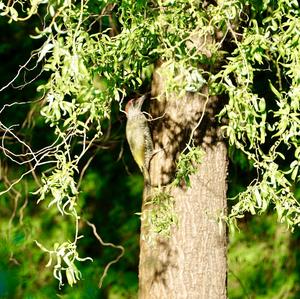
(191, 264)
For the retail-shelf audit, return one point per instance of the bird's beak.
(140, 101)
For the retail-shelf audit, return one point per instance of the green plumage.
(139, 136)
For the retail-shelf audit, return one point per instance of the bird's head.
(134, 106)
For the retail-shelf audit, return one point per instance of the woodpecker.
(138, 136)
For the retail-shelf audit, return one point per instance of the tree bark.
(191, 263)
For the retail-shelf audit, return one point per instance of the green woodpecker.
(138, 135)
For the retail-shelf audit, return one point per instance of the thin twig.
(197, 125)
(85, 168)
(106, 244)
(18, 73)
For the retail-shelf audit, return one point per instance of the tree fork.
(191, 264)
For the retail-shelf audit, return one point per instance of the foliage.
(265, 124)
(160, 214)
(98, 52)
(187, 165)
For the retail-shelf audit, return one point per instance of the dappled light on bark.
(191, 262)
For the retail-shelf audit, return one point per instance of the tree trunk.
(191, 263)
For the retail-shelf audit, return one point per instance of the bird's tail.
(147, 183)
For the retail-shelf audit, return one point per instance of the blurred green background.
(263, 256)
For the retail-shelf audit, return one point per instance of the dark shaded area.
(179, 120)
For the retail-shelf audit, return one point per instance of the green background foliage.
(87, 58)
